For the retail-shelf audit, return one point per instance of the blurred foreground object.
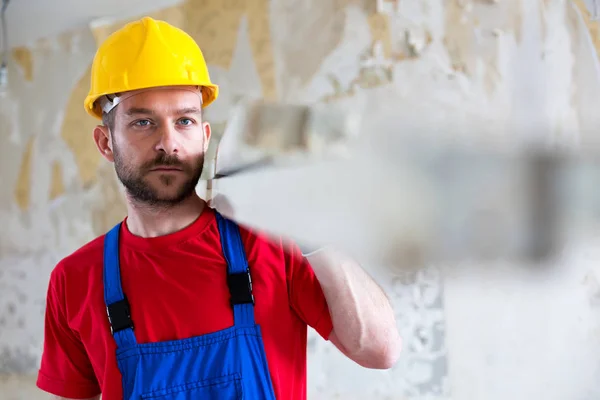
(274, 134)
(389, 195)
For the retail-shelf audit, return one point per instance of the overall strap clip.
(239, 280)
(117, 305)
(119, 316)
(240, 287)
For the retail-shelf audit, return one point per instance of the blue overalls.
(228, 364)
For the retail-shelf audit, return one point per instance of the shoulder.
(82, 262)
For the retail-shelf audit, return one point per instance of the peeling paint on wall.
(592, 26)
(472, 28)
(22, 191)
(57, 185)
(22, 56)
(465, 66)
(459, 35)
(380, 32)
(318, 23)
(76, 131)
(45, 216)
(262, 49)
(217, 34)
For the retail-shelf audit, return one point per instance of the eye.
(142, 123)
(186, 121)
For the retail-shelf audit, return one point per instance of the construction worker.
(177, 301)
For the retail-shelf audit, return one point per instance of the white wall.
(30, 20)
(525, 70)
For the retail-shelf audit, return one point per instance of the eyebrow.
(189, 110)
(137, 110)
(146, 111)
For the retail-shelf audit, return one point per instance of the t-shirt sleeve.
(305, 292)
(65, 369)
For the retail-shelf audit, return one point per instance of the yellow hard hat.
(144, 54)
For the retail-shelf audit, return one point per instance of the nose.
(169, 141)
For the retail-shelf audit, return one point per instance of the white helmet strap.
(107, 103)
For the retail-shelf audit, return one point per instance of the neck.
(151, 221)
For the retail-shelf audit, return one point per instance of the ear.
(207, 133)
(102, 139)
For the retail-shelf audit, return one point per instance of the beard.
(144, 192)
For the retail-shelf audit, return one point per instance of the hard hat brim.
(210, 92)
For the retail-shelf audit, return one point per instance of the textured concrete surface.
(523, 69)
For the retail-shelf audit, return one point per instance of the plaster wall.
(526, 70)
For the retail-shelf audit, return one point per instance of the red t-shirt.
(176, 286)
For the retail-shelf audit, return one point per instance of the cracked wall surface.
(527, 70)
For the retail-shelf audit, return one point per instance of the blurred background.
(522, 70)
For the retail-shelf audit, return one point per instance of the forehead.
(162, 100)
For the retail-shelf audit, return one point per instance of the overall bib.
(227, 364)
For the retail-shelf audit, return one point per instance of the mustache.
(165, 160)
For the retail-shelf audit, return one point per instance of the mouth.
(166, 169)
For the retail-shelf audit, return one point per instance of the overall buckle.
(119, 316)
(240, 288)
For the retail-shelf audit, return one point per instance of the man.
(197, 306)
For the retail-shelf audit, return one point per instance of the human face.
(158, 143)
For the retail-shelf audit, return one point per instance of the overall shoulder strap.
(117, 306)
(238, 271)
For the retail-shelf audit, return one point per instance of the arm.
(364, 326)
(65, 371)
